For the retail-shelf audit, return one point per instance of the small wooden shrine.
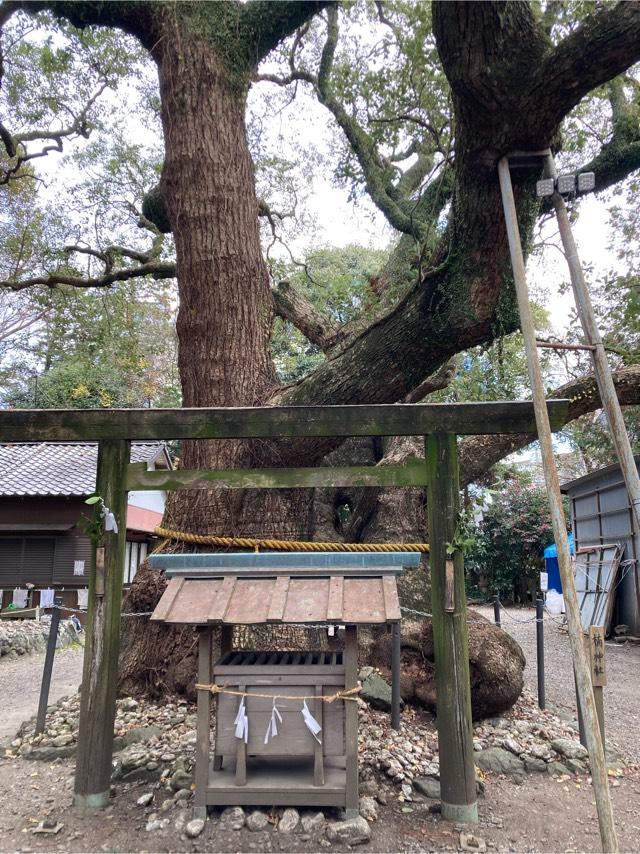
(286, 723)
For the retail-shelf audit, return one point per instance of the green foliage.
(337, 282)
(507, 554)
(293, 355)
(100, 350)
(616, 300)
(496, 372)
(93, 525)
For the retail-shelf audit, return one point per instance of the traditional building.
(43, 544)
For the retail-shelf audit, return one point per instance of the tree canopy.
(422, 100)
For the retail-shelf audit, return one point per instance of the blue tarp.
(551, 564)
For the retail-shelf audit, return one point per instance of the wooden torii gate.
(439, 423)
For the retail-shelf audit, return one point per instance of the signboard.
(544, 581)
(78, 567)
(596, 655)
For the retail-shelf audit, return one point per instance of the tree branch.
(378, 175)
(15, 144)
(479, 453)
(265, 23)
(434, 382)
(18, 324)
(155, 269)
(135, 17)
(603, 46)
(290, 305)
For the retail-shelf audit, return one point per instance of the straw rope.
(284, 545)
(326, 698)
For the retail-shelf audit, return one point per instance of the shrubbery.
(507, 552)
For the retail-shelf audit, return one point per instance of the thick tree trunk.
(224, 325)
(225, 304)
(226, 307)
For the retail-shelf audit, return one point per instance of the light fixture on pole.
(566, 185)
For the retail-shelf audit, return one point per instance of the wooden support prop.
(203, 742)
(351, 722)
(558, 521)
(398, 419)
(601, 367)
(451, 648)
(561, 345)
(102, 639)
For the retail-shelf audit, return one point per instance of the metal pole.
(583, 674)
(604, 379)
(496, 609)
(48, 667)
(540, 648)
(395, 676)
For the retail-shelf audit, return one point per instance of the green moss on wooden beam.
(411, 473)
(417, 419)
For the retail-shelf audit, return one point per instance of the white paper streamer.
(242, 723)
(312, 724)
(110, 523)
(272, 729)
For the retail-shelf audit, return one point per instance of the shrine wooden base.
(282, 782)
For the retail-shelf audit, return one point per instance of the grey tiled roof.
(41, 468)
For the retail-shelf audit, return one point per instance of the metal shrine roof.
(68, 469)
(249, 589)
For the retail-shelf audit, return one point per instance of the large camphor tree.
(480, 79)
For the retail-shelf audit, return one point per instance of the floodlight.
(566, 184)
(545, 187)
(586, 182)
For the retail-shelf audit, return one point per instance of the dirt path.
(20, 685)
(541, 814)
(621, 696)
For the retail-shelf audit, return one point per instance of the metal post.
(496, 610)
(540, 648)
(48, 668)
(582, 669)
(604, 379)
(395, 675)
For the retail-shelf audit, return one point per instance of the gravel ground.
(510, 809)
(621, 695)
(542, 814)
(20, 681)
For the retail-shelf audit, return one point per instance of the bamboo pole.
(581, 664)
(608, 396)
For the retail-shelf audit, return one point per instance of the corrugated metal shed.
(69, 468)
(354, 589)
(601, 514)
